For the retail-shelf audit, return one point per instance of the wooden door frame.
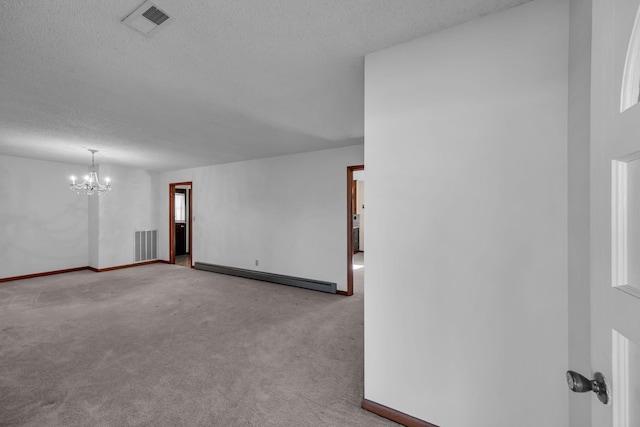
(350, 201)
(172, 221)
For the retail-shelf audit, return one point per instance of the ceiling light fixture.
(91, 184)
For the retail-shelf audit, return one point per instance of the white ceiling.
(228, 80)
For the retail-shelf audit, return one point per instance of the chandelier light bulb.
(91, 182)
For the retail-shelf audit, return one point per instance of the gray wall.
(579, 250)
(288, 212)
(466, 306)
(43, 225)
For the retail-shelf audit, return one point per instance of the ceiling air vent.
(155, 15)
(148, 19)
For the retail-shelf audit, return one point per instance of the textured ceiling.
(226, 81)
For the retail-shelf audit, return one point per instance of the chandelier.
(90, 185)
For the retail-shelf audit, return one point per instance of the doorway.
(180, 224)
(355, 226)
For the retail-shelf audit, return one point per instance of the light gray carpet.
(163, 345)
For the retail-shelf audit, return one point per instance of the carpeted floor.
(162, 345)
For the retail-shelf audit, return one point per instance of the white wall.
(43, 225)
(288, 212)
(578, 203)
(466, 314)
(93, 234)
(129, 207)
(47, 227)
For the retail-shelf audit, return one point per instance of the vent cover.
(145, 245)
(148, 19)
(155, 15)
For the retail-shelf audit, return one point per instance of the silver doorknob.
(581, 384)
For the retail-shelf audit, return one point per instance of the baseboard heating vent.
(316, 285)
(145, 245)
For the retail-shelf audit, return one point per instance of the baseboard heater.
(316, 285)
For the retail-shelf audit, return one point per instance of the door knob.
(581, 384)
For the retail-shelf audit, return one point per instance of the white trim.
(620, 380)
(619, 223)
(629, 290)
(631, 76)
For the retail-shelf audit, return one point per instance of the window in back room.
(180, 207)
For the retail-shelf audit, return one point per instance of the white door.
(615, 214)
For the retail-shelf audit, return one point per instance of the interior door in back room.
(181, 222)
